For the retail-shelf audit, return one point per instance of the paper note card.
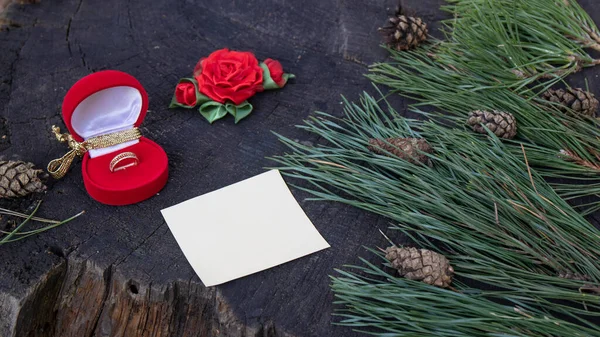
(242, 229)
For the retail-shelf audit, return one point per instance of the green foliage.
(18, 233)
(517, 42)
(484, 203)
(400, 307)
(496, 219)
(544, 130)
(496, 55)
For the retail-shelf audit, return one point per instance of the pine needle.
(17, 234)
(500, 55)
(474, 182)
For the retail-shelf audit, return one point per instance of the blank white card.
(242, 229)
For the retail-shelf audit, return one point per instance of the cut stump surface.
(118, 271)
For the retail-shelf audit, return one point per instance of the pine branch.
(495, 54)
(496, 219)
(542, 128)
(530, 29)
(373, 299)
(17, 233)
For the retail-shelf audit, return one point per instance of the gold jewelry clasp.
(59, 167)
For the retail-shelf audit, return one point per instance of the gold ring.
(121, 157)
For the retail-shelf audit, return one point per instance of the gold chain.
(59, 167)
(113, 139)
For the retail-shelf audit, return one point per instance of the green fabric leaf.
(268, 82)
(200, 98)
(287, 77)
(212, 111)
(239, 111)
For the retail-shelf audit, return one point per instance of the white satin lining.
(107, 111)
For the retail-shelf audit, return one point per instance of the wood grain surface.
(118, 271)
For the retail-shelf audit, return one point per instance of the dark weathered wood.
(118, 271)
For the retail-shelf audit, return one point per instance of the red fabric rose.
(185, 94)
(276, 70)
(229, 75)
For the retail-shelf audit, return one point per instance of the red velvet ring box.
(106, 102)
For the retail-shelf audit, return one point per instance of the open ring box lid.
(106, 102)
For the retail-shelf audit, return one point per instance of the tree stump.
(117, 271)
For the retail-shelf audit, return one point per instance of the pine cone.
(404, 32)
(502, 124)
(421, 265)
(17, 179)
(575, 100)
(412, 150)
